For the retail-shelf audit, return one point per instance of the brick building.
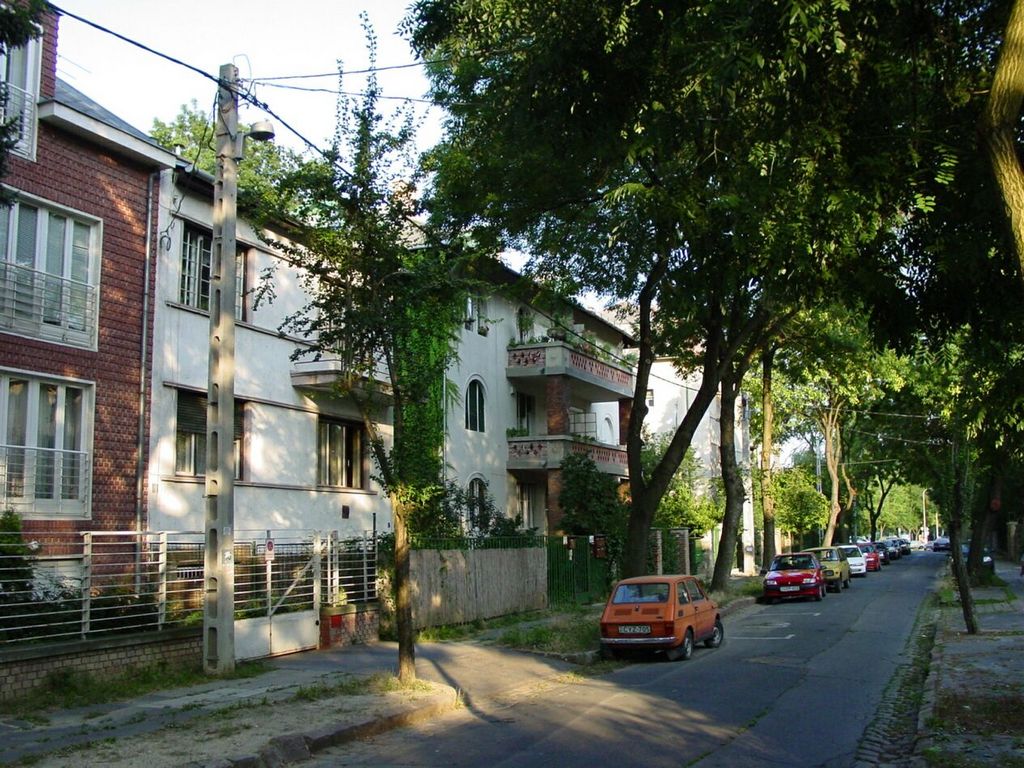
(75, 315)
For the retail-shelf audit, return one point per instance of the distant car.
(834, 566)
(904, 545)
(796, 574)
(940, 544)
(892, 549)
(883, 552)
(988, 563)
(858, 565)
(660, 613)
(872, 560)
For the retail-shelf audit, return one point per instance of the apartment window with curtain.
(19, 68)
(45, 460)
(196, 258)
(340, 454)
(190, 435)
(475, 406)
(49, 271)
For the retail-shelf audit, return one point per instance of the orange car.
(660, 613)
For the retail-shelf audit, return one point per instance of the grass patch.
(936, 757)
(986, 715)
(570, 633)
(67, 689)
(748, 586)
(375, 684)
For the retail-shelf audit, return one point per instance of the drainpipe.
(140, 468)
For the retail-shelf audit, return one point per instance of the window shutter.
(192, 414)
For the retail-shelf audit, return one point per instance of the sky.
(263, 39)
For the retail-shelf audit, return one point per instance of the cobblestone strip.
(890, 739)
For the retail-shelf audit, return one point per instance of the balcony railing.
(45, 306)
(44, 479)
(549, 451)
(326, 373)
(19, 106)
(598, 380)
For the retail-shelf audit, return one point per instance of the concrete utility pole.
(219, 608)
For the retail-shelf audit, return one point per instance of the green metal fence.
(579, 570)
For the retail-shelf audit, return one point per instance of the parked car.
(796, 574)
(872, 560)
(858, 565)
(940, 544)
(892, 549)
(834, 566)
(883, 552)
(904, 545)
(660, 613)
(988, 563)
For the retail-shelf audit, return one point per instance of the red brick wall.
(71, 172)
(559, 398)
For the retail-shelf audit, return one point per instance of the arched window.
(475, 406)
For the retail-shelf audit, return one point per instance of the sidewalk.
(973, 709)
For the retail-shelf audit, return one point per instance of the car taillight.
(604, 631)
(665, 628)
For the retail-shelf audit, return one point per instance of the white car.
(858, 565)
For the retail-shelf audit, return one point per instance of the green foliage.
(691, 500)
(799, 507)
(15, 561)
(590, 499)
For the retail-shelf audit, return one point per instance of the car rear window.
(654, 592)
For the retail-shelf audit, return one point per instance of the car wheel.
(717, 635)
(821, 593)
(684, 650)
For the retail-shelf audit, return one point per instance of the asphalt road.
(793, 685)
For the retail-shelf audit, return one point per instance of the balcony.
(44, 480)
(20, 110)
(546, 452)
(46, 306)
(593, 379)
(328, 373)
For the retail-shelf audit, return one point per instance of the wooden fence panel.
(460, 586)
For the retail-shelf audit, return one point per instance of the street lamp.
(219, 564)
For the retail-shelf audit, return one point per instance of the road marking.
(737, 637)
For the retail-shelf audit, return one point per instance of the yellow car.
(835, 567)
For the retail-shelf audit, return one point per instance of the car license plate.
(635, 629)
(788, 589)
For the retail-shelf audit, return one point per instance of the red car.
(795, 574)
(660, 613)
(871, 557)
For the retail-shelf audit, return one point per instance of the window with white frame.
(20, 70)
(49, 270)
(476, 315)
(340, 454)
(194, 283)
(475, 406)
(190, 435)
(525, 409)
(46, 425)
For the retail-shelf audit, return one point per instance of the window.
(475, 406)
(525, 408)
(44, 464)
(20, 69)
(477, 503)
(527, 492)
(650, 397)
(196, 258)
(340, 454)
(48, 273)
(190, 437)
(476, 315)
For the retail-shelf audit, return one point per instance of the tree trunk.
(403, 595)
(832, 454)
(768, 549)
(955, 533)
(999, 125)
(732, 480)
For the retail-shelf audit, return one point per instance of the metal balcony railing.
(33, 476)
(46, 306)
(19, 106)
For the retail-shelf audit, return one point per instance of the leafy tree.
(800, 508)
(690, 501)
(651, 153)
(590, 500)
(192, 133)
(387, 300)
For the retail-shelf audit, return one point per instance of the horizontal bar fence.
(76, 586)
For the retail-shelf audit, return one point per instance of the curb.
(296, 747)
